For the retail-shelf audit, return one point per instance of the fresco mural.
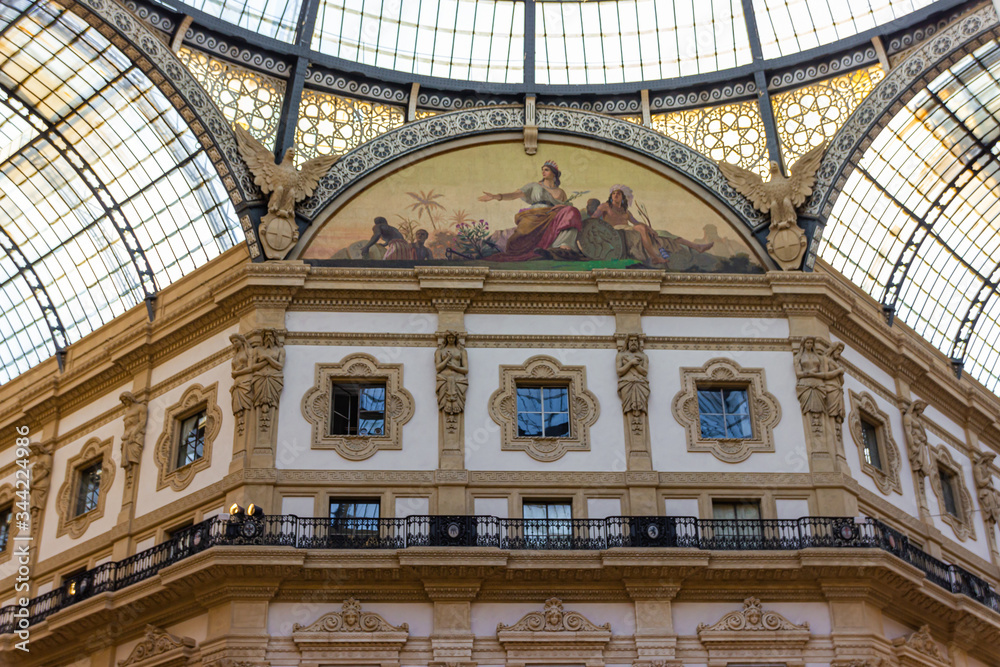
(568, 208)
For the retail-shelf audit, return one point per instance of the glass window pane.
(710, 401)
(736, 401)
(738, 426)
(529, 399)
(713, 426)
(529, 424)
(557, 425)
(556, 399)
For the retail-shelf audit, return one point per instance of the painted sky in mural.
(566, 208)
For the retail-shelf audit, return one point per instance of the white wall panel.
(399, 323)
(192, 355)
(420, 445)
(482, 434)
(715, 327)
(669, 437)
(544, 325)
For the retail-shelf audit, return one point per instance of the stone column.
(856, 618)
(452, 638)
(655, 639)
(237, 621)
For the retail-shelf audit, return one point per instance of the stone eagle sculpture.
(286, 185)
(780, 196)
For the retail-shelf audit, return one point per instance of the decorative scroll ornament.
(751, 618)
(286, 185)
(133, 434)
(876, 661)
(781, 195)
(921, 642)
(168, 649)
(351, 619)
(553, 619)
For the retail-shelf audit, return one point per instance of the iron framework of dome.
(108, 196)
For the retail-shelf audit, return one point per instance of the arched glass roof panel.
(276, 19)
(791, 26)
(105, 193)
(917, 225)
(472, 40)
(637, 40)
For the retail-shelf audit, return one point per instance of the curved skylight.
(791, 26)
(105, 194)
(474, 40)
(918, 224)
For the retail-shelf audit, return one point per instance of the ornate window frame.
(195, 399)
(399, 406)
(963, 525)
(863, 406)
(9, 496)
(765, 411)
(543, 370)
(93, 450)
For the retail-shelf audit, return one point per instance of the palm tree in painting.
(426, 204)
(460, 217)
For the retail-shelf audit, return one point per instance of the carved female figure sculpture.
(809, 371)
(833, 384)
(242, 389)
(133, 434)
(452, 364)
(268, 362)
(41, 478)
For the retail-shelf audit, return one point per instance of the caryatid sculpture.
(242, 389)
(41, 478)
(916, 439)
(267, 364)
(286, 185)
(780, 196)
(989, 497)
(452, 364)
(820, 380)
(133, 433)
(632, 366)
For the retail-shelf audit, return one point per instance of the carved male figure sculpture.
(632, 366)
(133, 434)
(916, 438)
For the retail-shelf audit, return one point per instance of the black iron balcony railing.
(490, 531)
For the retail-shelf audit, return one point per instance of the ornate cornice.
(162, 649)
(552, 619)
(350, 619)
(752, 618)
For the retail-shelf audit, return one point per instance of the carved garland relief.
(194, 399)
(765, 412)
(962, 524)
(863, 406)
(317, 407)
(93, 451)
(544, 371)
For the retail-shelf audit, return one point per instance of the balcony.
(641, 532)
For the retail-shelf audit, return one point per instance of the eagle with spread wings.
(286, 184)
(781, 195)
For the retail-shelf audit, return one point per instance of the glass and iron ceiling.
(571, 42)
(106, 196)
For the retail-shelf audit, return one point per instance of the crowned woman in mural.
(548, 227)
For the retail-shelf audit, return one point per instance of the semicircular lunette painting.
(567, 208)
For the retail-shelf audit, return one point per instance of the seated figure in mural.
(548, 227)
(396, 246)
(658, 248)
(418, 247)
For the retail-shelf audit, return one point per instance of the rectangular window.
(948, 491)
(546, 521)
(744, 516)
(192, 439)
(542, 412)
(88, 488)
(354, 517)
(6, 517)
(357, 409)
(724, 413)
(869, 434)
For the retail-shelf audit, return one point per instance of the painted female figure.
(548, 227)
